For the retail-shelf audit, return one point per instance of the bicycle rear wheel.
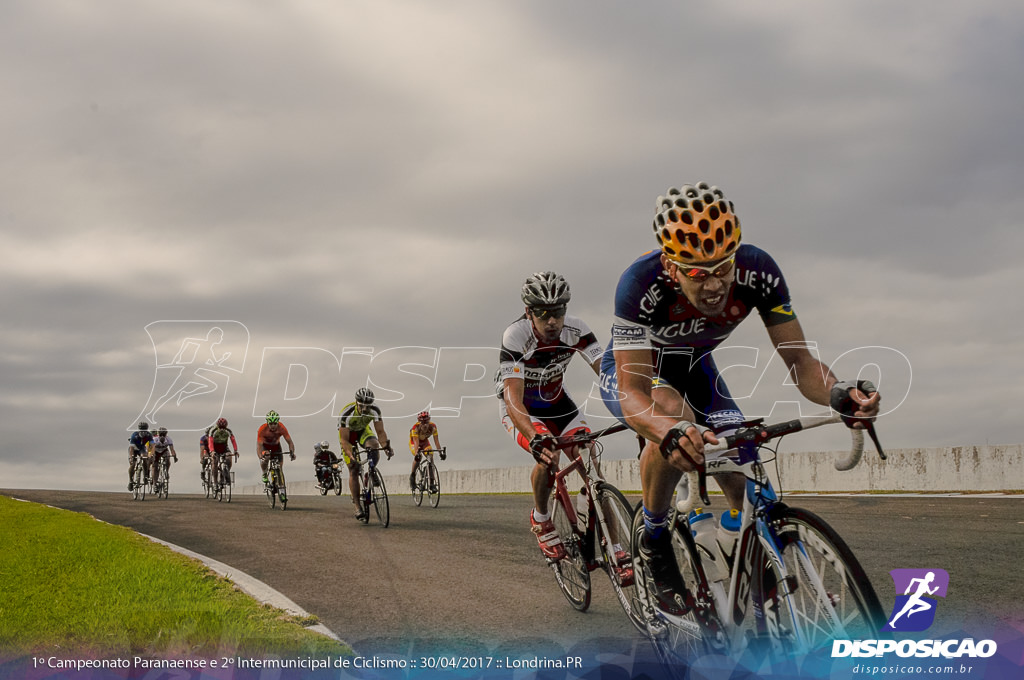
(830, 596)
(613, 538)
(380, 497)
(571, 573)
(418, 486)
(207, 484)
(433, 487)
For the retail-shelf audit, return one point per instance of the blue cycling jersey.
(651, 313)
(139, 439)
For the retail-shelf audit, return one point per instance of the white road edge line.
(251, 586)
(247, 584)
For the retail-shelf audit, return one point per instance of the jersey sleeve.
(630, 328)
(588, 345)
(511, 355)
(774, 305)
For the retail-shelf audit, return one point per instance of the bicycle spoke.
(572, 574)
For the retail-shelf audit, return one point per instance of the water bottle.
(728, 532)
(582, 508)
(704, 529)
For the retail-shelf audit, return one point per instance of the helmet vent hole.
(694, 241)
(681, 203)
(719, 236)
(673, 216)
(687, 217)
(709, 246)
(728, 227)
(708, 198)
(704, 226)
(680, 236)
(698, 206)
(670, 250)
(713, 213)
(665, 234)
(660, 222)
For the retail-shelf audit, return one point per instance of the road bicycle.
(275, 487)
(140, 480)
(372, 491)
(333, 475)
(224, 477)
(427, 480)
(163, 477)
(597, 537)
(791, 585)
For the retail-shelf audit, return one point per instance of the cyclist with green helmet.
(354, 427)
(268, 442)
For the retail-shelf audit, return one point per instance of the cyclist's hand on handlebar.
(540, 447)
(683, 446)
(855, 402)
(292, 454)
(442, 454)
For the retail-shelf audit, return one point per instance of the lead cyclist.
(673, 306)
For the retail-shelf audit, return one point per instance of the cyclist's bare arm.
(516, 409)
(291, 445)
(437, 442)
(646, 416)
(812, 377)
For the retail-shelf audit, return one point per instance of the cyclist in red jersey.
(268, 441)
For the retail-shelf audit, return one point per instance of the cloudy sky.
(356, 190)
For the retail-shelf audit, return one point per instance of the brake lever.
(870, 427)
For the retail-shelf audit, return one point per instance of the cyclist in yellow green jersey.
(357, 424)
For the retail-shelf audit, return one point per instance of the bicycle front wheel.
(271, 488)
(225, 484)
(418, 486)
(207, 484)
(433, 484)
(138, 488)
(380, 497)
(830, 596)
(613, 537)
(571, 573)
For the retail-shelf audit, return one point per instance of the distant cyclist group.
(360, 428)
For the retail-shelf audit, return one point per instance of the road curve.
(467, 577)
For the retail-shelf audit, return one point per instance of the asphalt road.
(467, 577)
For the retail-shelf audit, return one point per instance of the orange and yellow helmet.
(696, 223)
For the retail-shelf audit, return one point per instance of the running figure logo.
(915, 608)
(194, 362)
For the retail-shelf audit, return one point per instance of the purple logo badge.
(916, 590)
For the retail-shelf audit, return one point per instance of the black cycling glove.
(843, 404)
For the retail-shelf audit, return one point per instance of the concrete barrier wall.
(961, 468)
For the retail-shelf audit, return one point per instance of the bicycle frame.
(757, 540)
(590, 474)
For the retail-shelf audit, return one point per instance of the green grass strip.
(73, 584)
